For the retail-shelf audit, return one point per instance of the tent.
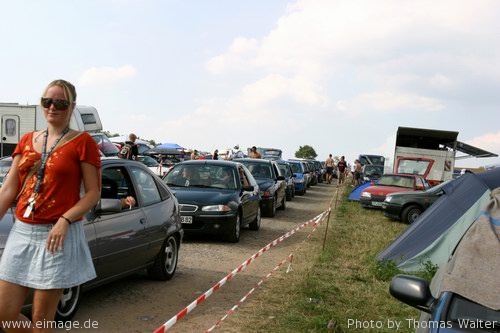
(434, 236)
(169, 146)
(356, 192)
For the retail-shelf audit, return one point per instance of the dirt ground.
(137, 304)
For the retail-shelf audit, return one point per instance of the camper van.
(17, 120)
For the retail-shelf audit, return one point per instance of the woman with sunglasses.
(46, 250)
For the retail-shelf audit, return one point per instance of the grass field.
(335, 285)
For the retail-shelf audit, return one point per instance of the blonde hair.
(67, 87)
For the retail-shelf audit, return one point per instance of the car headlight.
(366, 195)
(265, 194)
(216, 208)
(388, 199)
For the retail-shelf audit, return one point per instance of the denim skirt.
(27, 262)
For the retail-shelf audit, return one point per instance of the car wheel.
(68, 304)
(411, 213)
(272, 210)
(255, 225)
(234, 235)
(166, 260)
(283, 203)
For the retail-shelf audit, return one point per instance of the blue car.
(286, 171)
(301, 176)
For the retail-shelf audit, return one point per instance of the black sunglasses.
(59, 104)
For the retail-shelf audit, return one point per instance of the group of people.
(236, 153)
(342, 169)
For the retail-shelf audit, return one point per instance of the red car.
(373, 196)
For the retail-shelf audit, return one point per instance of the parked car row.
(401, 197)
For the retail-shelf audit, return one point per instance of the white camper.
(17, 120)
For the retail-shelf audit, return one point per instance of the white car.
(153, 165)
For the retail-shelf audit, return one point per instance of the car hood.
(264, 183)
(203, 197)
(384, 190)
(410, 194)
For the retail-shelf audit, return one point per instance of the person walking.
(341, 169)
(329, 165)
(215, 155)
(356, 177)
(46, 249)
(135, 150)
(129, 150)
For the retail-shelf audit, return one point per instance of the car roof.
(256, 160)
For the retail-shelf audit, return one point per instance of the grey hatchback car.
(124, 241)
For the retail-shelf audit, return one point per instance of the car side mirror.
(413, 291)
(280, 178)
(419, 188)
(108, 206)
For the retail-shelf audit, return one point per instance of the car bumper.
(210, 224)
(299, 187)
(391, 211)
(370, 203)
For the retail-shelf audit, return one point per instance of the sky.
(338, 75)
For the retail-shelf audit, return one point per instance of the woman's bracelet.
(67, 220)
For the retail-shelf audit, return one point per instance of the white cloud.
(388, 101)
(237, 57)
(105, 75)
(300, 90)
(487, 141)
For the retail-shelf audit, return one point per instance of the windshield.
(259, 170)
(373, 170)
(107, 147)
(414, 167)
(371, 159)
(463, 312)
(396, 180)
(285, 170)
(203, 175)
(148, 161)
(296, 167)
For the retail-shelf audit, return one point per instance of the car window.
(464, 309)
(284, 170)
(116, 183)
(147, 188)
(296, 167)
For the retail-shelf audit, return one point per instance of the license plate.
(187, 219)
(376, 203)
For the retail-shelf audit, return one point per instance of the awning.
(472, 151)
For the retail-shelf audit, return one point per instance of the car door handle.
(142, 221)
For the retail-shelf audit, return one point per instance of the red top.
(60, 187)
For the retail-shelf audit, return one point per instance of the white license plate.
(187, 219)
(376, 203)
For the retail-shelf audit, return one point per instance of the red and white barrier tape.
(171, 322)
(244, 298)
